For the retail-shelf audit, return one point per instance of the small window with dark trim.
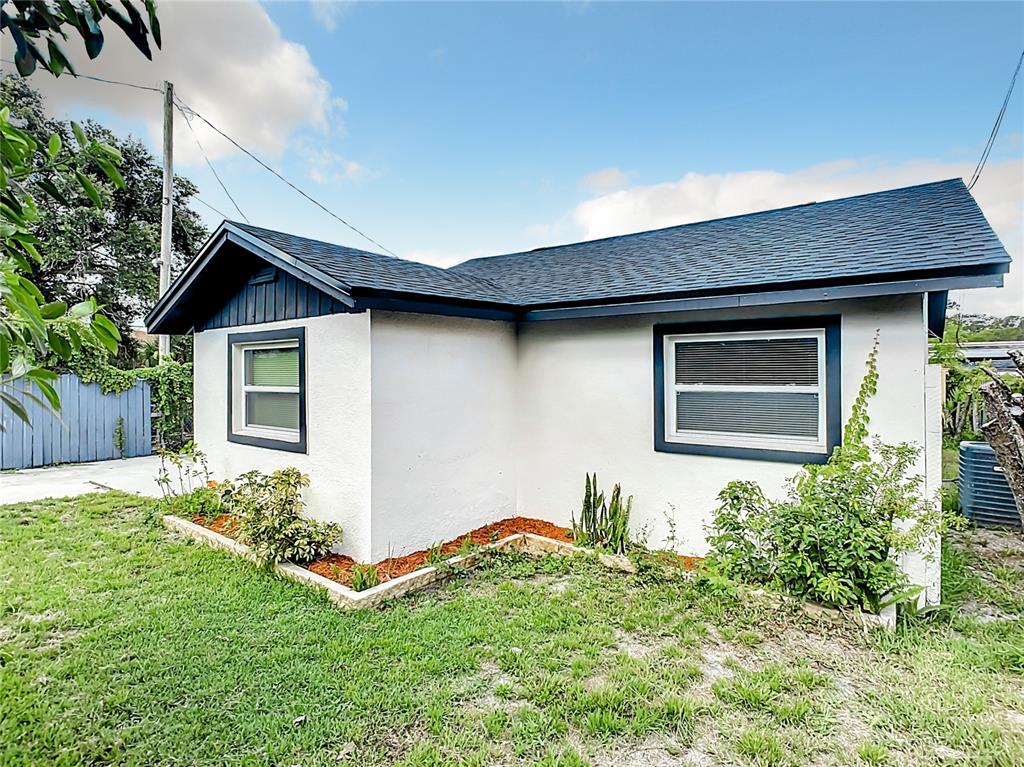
(747, 391)
(266, 389)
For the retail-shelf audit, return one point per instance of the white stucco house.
(424, 402)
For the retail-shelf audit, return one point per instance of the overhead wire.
(184, 108)
(188, 122)
(995, 128)
(274, 172)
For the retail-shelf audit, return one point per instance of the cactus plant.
(602, 525)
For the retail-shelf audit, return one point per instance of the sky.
(456, 130)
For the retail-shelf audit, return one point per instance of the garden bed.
(415, 576)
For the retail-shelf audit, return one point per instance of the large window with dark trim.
(740, 390)
(266, 390)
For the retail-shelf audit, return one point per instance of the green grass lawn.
(120, 644)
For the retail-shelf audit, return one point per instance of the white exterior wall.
(443, 428)
(586, 404)
(443, 424)
(337, 420)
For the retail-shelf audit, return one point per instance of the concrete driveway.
(133, 475)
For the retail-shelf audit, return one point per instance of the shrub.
(603, 525)
(834, 536)
(269, 510)
(364, 577)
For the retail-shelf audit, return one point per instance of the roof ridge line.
(704, 221)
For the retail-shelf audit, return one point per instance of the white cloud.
(605, 181)
(326, 166)
(327, 12)
(227, 60)
(698, 197)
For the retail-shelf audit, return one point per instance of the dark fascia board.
(803, 295)
(227, 233)
(427, 305)
(937, 303)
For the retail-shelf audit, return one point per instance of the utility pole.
(167, 208)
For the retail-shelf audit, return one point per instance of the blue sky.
(453, 130)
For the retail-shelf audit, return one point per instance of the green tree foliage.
(32, 328)
(39, 26)
(108, 252)
(834, 537)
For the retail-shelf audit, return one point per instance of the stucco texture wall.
(585, 403)
(443, 391)
(337, 417)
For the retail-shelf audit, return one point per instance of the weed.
(364, 577)
(762, 748)
(872, 753)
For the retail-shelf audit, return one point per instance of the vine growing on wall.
(170, 386)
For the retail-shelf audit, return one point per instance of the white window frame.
(740, 439)
(241, 390)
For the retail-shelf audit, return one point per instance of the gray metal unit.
(985, 496)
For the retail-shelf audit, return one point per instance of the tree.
(33, 22)
(107, 252)
(31, 328)
(1005, 428)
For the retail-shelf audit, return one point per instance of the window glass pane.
(772, 413)
(272, 409)
(751, 362)
(272, 367)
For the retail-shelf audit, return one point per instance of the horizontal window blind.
(741, 412)
(275, 409)
(748, 362)
(272, 367)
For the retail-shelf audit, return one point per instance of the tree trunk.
(1005, 429)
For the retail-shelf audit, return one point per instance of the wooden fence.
(85, 429)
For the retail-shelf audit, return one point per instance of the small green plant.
(466, 546)
(761, 747)
(202, 503)
(603, 524)
(269, 512)
(182, 470)
(872, 753)
(435, 556)
(120, 439)
(364, 577)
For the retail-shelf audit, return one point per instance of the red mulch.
(338, 567)
(224, 524)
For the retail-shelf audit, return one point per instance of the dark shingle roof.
(361, 269)
(932, 226)
(912, 230)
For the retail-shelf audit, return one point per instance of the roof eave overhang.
(157, 319)
(988, 277)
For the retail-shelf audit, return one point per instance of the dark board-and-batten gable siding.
(271, 295)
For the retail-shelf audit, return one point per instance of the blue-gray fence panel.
(83, 430)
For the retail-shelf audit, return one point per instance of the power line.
(181, 105)
(188, 122)
(995, 128)
(104, 80)
(199, 199)
(260, 162)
